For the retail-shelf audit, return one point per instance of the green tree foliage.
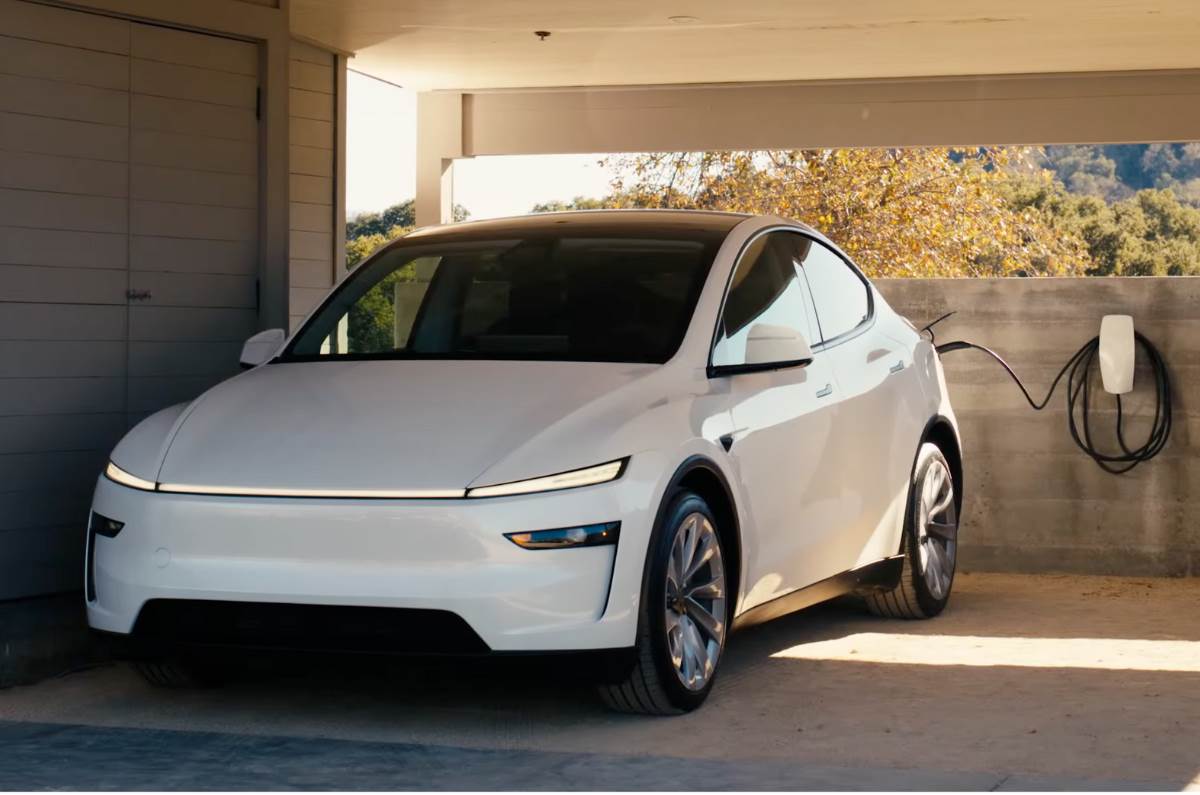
(1086, 170)
(402, 215)
(1151, 233)
(373, 316)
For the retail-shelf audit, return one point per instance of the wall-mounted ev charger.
(1116, 350)
(1117, 354)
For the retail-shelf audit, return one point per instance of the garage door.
(128, 253)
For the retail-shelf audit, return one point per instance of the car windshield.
(613, 299)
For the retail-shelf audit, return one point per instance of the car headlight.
(118, 475)
(590, 476)
(589, 535)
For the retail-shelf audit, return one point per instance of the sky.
(380, 169)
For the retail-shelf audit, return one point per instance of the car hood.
(387, 425)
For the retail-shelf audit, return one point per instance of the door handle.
(897, 367)
(826, 391)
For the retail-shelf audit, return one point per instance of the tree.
(578, 203)
(898, 212)
(1087, 170)
(1175, 167)
(402, 215)
(373, 315)
(1149, 234)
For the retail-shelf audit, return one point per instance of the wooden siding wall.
(128, 163)
(312, 100)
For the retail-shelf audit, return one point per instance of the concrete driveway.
(1047, 682)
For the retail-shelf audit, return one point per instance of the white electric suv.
(619, 432)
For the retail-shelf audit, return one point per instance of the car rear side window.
(841, 296)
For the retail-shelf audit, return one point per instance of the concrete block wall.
(1035, 502)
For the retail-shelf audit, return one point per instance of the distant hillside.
(1115, 172)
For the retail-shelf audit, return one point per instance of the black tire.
(176, 674)
(914, 597)
(653, 686)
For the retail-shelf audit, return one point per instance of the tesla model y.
(618, 433)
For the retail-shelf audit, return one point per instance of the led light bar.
(361, 494)
(591, 535)
(590, 476)
(118, 475)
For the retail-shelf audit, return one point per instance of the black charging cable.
(1079, 400)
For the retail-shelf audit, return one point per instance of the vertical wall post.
(439, 141)
(274, 181)
(339, 168)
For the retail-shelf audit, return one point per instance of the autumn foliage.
(898, 212)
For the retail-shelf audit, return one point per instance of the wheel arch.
(701, 475)
(940, 431)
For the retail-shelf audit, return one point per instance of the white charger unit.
(1117, 353)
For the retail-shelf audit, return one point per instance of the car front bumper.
(418, 555)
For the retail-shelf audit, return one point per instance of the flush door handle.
(826, 391)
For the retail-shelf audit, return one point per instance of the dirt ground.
(1054, 681)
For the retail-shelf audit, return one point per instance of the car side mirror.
(262, 346)
(773, 344)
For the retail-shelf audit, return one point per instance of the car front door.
(783, 415)
(877, 406)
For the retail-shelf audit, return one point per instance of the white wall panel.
(176, 255)
(198, 152)
(193, 220)
(213, 53)
(57, 100)
(311, 190)
(66, 64)
(35, 396)
(58, 249)
(183, 185)
(161, 114)
(23, 133)
(60, 26)
(174, 81)
(59, 174)
(26, 283)
(45, 210)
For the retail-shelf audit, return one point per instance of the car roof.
(605, 223)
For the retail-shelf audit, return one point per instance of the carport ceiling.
(468, 44)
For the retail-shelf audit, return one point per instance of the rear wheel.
(683, 618)
(930, 543)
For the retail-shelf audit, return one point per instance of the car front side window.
(765, 289)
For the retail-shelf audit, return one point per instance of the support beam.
(1006, 109)
(439, 142)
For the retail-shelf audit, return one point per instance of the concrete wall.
(1034, 502)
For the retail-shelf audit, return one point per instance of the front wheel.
(930, 543)
(683, 618)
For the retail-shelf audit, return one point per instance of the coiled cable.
(1079, 401)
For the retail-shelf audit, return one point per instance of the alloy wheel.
(695, 601)
(937, 529)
